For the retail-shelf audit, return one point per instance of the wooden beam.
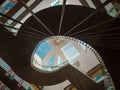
(13, 11)
(84, 3)
(97, 3)
(26, 12)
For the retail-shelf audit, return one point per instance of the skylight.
(70, 51)
(51, 61)
(49, 56)
(55, 3)
(43, 49)
(59, 60)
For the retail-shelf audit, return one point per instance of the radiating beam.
(97, 3)
(110, 43)
(22, 23)
(35, 17)
(10, 18)
(95, 26)
(26, 36)
(102, 43)
(102, 35)
(62, 15)
(9, 26)
(32, 33)
(102, 38)
(89, 16)
(107, 46)
(84, 3)
(101, 31)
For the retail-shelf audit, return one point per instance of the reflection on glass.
(70, 51)
(59, 61)
(43, 49)
(51, 61)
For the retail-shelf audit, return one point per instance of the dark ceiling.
(17, 50)
(1, 2)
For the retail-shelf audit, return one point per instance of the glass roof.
(60, 61)
(70, 51)
(52, 54)
(46, 55)
(43, 49)
(55, 52)
(51, 61)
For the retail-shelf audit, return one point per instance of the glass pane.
(51, 61)
(59, 60)
(43, 49)
(70, 51)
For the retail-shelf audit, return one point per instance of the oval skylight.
(54, 52)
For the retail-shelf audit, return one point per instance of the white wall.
(72, 2)
(60, 86)
(44, 4)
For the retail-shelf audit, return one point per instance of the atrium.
(59, 44)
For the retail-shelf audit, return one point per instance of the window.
(51, 61)
(43, 49)
(56, 3)
(70, 51)
(59, 61)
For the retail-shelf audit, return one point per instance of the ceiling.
(16, 50)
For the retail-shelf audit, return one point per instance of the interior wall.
(60, 86)
(44, 4)
(73, 2)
